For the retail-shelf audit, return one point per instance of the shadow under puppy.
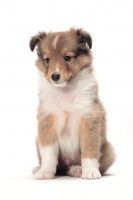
(71, 137)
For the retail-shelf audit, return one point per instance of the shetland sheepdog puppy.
(71, 138)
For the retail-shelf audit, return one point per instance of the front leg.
(90, 147)
(48, 147)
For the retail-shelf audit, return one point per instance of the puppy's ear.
(84, 37)
(36, 39)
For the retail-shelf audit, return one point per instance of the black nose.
(55, 76)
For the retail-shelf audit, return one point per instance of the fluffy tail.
(108, 156)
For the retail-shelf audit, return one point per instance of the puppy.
(71, 137)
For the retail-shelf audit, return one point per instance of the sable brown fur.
(46, 128)
(89, 120)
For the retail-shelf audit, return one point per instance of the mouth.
(57, 84)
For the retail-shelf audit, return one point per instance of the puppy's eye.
(67, 58)
(47, 60)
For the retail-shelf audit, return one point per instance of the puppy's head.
(61, 55)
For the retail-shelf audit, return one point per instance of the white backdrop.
(111, 25)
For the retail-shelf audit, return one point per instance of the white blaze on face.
(55, 41)
(57, 70)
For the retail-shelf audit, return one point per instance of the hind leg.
(107, 158)
(75, 171)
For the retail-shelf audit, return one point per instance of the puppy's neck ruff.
(77, 95)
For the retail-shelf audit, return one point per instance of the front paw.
(41, 175)
(36, 169)
(91, 174)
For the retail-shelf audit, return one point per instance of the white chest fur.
(76, 96)
(69, 104)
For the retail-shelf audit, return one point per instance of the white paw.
(36, 169)
(91, 174)
(75, 171)
(41, 175)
